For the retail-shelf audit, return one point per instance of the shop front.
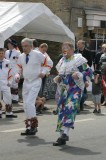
(97, 40)
(96, 25)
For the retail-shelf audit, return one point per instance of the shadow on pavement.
(100, 114)
(48, 112)
(33, 141)
(6, 121)
(77, 150)
(85, 111)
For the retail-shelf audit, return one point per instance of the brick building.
(86, 20)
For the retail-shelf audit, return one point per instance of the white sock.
(66, 130)
(9, 113)
(61, 132)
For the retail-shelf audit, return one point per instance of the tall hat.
(12, 41)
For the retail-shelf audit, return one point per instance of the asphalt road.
(87, 140)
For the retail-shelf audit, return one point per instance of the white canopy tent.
(32, 20)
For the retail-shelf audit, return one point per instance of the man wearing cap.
(31, 62)
(13, 54)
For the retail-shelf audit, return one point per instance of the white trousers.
(6, 93)
(30, 93)
(15, 86)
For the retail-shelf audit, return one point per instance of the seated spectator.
(97, 90)
(40, 101)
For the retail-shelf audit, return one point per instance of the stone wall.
(70, 10)
(77, 10)
(100, 4)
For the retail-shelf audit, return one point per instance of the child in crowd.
(57, 95)
(96, 91)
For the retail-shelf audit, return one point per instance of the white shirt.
(5, 73)
(13, 59)
(33, 68)
(48, 63)
(71, 66)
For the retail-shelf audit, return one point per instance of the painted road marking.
(84, 120)
(21, 129)
(13, 130)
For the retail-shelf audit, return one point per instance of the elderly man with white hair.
(32, 65)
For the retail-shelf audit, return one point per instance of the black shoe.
(45, 108)
(11, 116)
(81, 106)
(55, 112)
(25, 133)
(99, 111)
(65, 137)
(39, 112)
(0, 115)
(14, 102)
(59, 142)
(95, 111)
(29, 132)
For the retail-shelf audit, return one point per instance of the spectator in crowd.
(40, 102)
(35, 44)
(102, 63)
(88, 55)
(97, 90)
(5, 83)
(43, 49)
(72, 72)
(97, 58)
(34, 66)
(13, 54)
(57, 94)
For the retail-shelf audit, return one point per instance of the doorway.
(95, 44)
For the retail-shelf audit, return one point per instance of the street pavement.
(87, 140)
(51, 104)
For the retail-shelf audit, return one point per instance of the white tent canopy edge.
(33, 20)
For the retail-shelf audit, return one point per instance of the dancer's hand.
(17, 80)
(9, 85)
(41, 75)
(86, 84)
(57, 79)
(75, 76)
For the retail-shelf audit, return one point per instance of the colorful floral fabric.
(68, 104)
(70, 89)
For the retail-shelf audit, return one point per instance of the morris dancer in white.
(13, 54)
(5, 82)
(30, 62)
